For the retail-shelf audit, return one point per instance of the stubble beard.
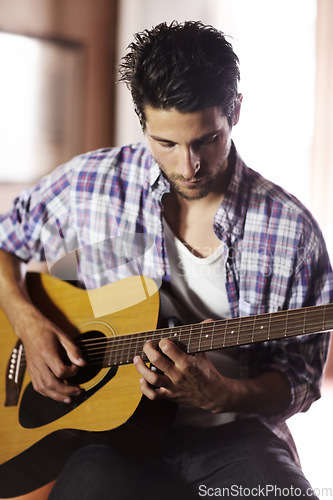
(196, 192)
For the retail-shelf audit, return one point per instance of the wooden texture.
(70, 307)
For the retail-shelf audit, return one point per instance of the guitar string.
(122, 341)
(124, 354)
(250, 319)
(126, 350)
(125, 342)
(207, 327)
(273, 319)
(234, 322)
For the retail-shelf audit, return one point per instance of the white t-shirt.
(199, 284)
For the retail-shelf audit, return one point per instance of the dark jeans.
(241, 459)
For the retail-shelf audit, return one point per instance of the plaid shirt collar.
(230, 216)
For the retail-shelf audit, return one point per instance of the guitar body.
(34, 426)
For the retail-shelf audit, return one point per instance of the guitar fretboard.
(200, 337)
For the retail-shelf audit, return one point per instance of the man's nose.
(190, 163)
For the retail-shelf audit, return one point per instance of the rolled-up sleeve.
(302, 358)
(22, 228)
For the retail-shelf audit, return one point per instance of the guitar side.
(39, 494)
(134, 307)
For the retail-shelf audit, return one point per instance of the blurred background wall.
(57, 84)
(59, 97)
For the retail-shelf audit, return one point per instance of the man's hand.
(186, 379)
(51, 356)
(195, 381)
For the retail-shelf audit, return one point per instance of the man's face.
(191, 148)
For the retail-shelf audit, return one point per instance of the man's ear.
(237, 109)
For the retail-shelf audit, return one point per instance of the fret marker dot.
(207, 336)
(261, 328)
(232, 331)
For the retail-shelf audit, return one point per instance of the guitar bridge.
(14, 374)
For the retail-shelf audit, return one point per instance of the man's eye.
(167, 145)
(210, 139)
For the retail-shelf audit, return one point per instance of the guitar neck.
(200, 337)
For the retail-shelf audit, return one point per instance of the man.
(225, 242)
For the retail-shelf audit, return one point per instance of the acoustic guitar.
(110, 325)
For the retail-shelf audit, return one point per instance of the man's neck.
(192, 220)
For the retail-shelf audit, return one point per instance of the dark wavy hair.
(186, 66)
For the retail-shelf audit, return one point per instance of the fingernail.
(67, 400)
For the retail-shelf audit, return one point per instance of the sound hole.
(37, 410)
(92, 345)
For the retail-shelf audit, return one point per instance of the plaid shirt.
(106, 205)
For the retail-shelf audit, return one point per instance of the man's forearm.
(268, 394)
(13, 295)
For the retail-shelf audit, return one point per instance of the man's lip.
(191, 183)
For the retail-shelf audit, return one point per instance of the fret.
(276, 325)
(121, 355)
(312, 322)
(231, 335)
(253, 327)
(145, 339)
(183, 337)
(121, 348)
(286, 325)
(200, 338)
(137, 349)
(128, 350)
(107, 361)
(112, 347)
(260, 327)
(225, 333)
(180, 334)
(206, 336)
(269, 327)
(189, 346)
(196, 337)
(304, 321)
(176, 333)
(114, 353)
(324, 318)
(238, 333)
(212, 335)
